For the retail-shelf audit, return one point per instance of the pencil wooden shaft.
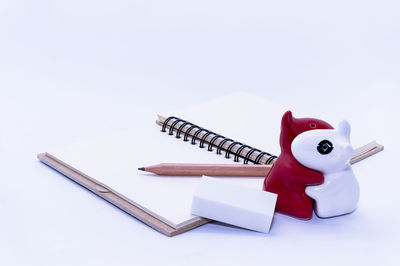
(179, 169)
(171, 169)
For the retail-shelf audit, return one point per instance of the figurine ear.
(344, 129)
(287, 120)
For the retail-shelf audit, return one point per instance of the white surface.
(234, 204)
(72, 70)
(339, 193)
(114, 160)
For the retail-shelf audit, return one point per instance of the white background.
(71, 70)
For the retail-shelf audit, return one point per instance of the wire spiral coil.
(212, 139)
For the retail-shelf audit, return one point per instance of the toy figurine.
(329, 151)
(288, 178)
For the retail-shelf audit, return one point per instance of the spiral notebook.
(107, 166)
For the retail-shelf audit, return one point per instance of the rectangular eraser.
(220, 200)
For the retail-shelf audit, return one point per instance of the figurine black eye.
(325, 147)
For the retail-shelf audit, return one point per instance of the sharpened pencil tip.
(141, 169)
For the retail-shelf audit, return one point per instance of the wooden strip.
(366, 154)
(108, 195)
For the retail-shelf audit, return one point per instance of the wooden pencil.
(251, 170)
(182, 169)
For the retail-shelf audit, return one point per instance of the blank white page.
(114, 160)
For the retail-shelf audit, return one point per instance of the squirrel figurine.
(288, 178)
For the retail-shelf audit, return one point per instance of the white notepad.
(114, 161)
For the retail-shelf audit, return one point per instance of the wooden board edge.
(374, 150)
(116, 200)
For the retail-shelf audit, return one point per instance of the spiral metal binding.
(221, 144)
(179, 131)
(211, 144)
(271, 159)
(203, 139)
(164, 126)
(196, 134)
(171, 129)
(239, 151)
(248, 154)
(230, 147)
(185, 138)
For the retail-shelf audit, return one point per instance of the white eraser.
(233, 204)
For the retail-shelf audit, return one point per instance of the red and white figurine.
(329, 151)
(314, 164)
(288, 178)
